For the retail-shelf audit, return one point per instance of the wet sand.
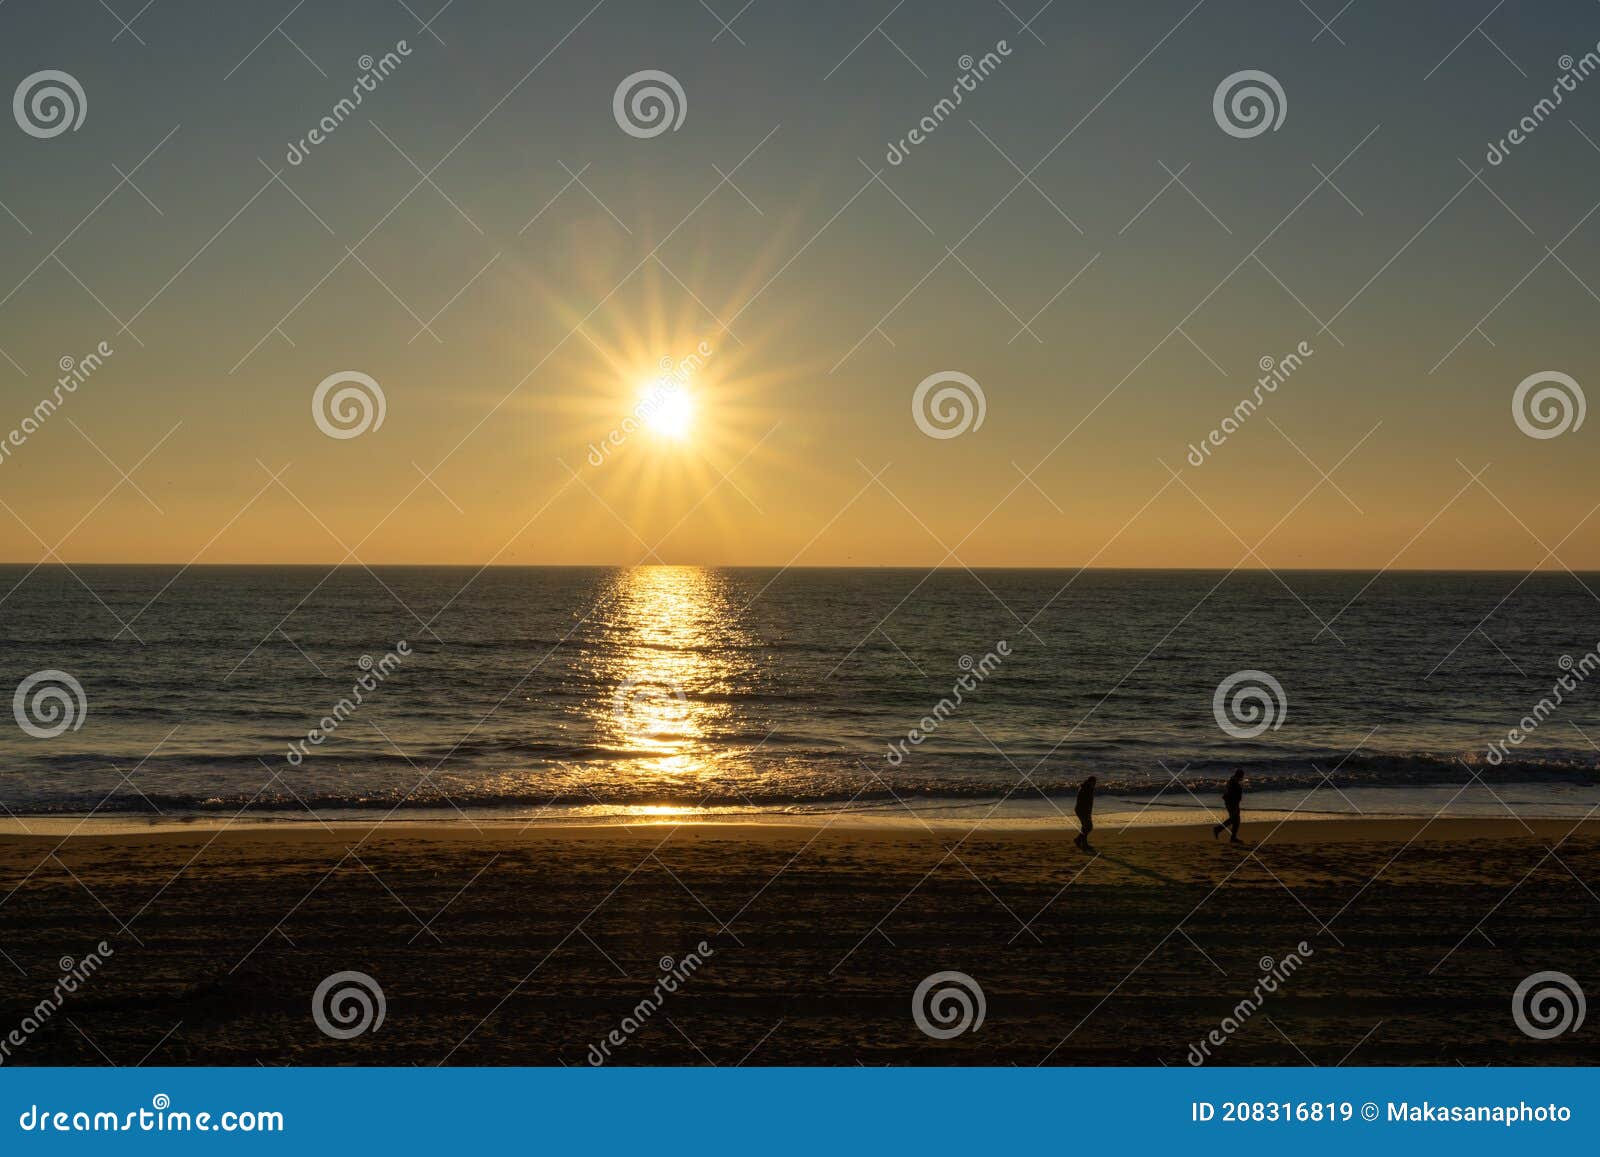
(512, 945)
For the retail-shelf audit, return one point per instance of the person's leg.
(1088, 826)
(1233, 823)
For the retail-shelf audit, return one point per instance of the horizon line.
(1555, 570)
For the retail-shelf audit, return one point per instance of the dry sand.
(524, 946)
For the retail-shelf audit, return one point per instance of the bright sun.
(668, 409)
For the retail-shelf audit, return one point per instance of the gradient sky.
(551, 310)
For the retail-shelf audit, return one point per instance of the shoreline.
(1263, 829)
(1569, 803)
(1114, 810)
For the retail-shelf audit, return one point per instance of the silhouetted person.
(1232, 794)
(1085, 810)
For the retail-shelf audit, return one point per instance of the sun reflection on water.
(671, 659)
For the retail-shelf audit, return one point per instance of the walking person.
(1085, 810)
(1232, 794)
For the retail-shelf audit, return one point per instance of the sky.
(1082, 239)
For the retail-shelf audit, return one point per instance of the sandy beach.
(509, 945)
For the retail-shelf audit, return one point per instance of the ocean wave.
(777, 787)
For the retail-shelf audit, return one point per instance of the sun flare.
(667, 409)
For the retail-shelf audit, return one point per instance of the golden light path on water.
(671, 656)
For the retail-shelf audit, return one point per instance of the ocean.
(596, 692)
